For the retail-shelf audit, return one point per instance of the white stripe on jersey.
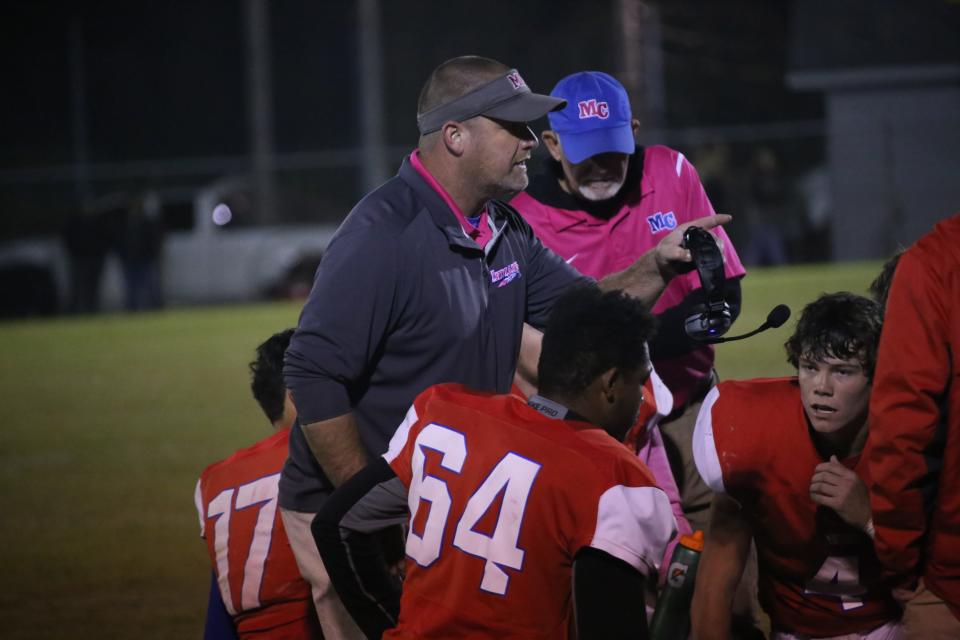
(679, 166)
(399, 439)
(635, 524)
(704, 446)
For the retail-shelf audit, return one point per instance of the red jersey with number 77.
(251, 556)
(502, 497)
(818, 575)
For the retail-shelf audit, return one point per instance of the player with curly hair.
(783, 456)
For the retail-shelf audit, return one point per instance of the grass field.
(107, 421)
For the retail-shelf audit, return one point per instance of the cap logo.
(593, 108)
(516, 80)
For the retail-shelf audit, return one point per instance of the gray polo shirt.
(403, 300)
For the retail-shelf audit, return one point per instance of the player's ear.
(635, 125)
(609, 380)
(552, 141)
(455, 137)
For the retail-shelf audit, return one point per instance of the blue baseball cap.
(597, 118)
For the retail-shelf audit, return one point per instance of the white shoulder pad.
(704, 446)
(635, 524)
(198, 501)
(399, 439)
(661, 394)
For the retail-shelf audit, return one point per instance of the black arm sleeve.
(671, 339)
(354, 559)
(608, 597)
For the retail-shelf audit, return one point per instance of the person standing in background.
(87, 241)
(141, 253)
(603, 202)
(913, 450)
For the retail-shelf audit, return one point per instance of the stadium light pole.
(260, 108)
(78, 109)
(641, 60)
(370, 68)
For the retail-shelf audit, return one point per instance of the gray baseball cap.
(506, 97)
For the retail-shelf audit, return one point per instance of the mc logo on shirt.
(662, 221)
(593, 109)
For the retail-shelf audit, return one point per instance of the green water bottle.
(671, 618)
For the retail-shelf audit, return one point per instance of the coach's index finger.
(671, 248)
(709, 222)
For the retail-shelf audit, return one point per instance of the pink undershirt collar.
(481, 233)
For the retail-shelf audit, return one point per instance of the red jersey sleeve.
(657, 404)
(634, 520)
(915, 416)
(726, 448)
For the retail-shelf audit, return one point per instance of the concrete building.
(890, 72)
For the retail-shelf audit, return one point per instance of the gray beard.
(599, 194)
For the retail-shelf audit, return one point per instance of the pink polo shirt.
(481, 233)
(668, 195)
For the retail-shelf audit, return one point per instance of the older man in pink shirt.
(603, 202)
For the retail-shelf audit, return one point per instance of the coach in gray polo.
(429, 279)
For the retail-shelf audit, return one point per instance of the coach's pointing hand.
(648, 276)
(670, 251)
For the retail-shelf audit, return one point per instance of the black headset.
(712, 317)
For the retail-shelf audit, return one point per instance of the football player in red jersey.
(783, 455)
(528, 518)
(255, 576)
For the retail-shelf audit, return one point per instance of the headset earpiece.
(712, 318)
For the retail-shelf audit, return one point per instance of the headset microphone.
(777, 316)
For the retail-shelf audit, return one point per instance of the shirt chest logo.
(661, 221)
(503, 277)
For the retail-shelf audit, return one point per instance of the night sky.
(167, 80)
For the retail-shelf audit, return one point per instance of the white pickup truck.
(207, 256)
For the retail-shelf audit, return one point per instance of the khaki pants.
(334, 619)
(695, 495)
(927, 617)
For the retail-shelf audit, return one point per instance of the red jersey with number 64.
(819, 576)
(502, 497)
(251, 556)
